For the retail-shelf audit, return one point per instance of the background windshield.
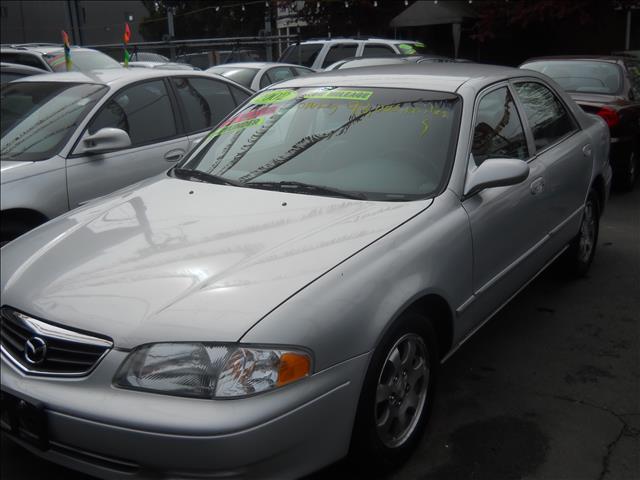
(581, 76)
(81, 61)
(387, 144)
(38, 117)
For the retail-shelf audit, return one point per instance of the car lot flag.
(125, 38)
(67, 50)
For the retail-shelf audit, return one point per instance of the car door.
(506, 222)
(204, 102)
(565, 151)
(146, 112)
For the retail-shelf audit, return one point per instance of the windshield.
(83, 60)
(373, 143)
(580, 75)
(243, 76)
(38, 117)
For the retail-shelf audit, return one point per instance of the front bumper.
(113, 433)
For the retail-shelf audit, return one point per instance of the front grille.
(42, 348)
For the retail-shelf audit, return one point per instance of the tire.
(579, 255)
(389, 426)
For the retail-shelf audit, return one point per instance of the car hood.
(172, 260)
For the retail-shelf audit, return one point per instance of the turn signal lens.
(293, 366)
(609, 115)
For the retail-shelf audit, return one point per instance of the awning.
(426, 12)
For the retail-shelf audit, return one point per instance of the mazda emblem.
(35, 350)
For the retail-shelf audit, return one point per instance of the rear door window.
(378, 50)
(205, 102)
(548, 117)
(339, 52)
(142, 110)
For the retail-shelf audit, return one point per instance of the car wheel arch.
(598, 186)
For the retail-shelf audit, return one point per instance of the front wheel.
(579, 255)
(397, 394)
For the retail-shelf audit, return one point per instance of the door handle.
(174, 155)
(537, 186)
(587, 150)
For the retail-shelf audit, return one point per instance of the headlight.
(211, 370)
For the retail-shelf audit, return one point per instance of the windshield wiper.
(200, 176)
(300, 187)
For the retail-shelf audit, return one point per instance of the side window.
(143, 111)
(338, 52)
(277, 74)
(376, 50)
(498, 131)
(548, 117)
(205, 101)
(301, 54)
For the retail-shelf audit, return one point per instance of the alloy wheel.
(587, 240)
(402, 390)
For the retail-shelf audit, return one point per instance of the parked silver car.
(286, 294)
(70, 137)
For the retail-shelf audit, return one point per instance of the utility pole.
(172, 33)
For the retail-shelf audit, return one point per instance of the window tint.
(301, 54)
(498, 132)
(205, 101)
(239, 96)
(338, 52)
(23, 59)
(143, 111)
(581, 75)
(301, 72)
(548, 118)
(378, 51)
(634, 77)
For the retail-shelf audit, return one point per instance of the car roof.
(256, 65)
(601, 58)
(42, 48)
(117, 77)
(447, 77)
(347, 39)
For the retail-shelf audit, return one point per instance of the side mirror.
(496, 172)
(104, 140)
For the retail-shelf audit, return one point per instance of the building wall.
(87, 22)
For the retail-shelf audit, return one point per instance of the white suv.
(319, 54)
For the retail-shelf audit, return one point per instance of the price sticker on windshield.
(340, 94)
(274, 96)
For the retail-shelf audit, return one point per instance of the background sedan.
(257, 75)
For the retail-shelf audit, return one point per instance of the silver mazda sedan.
(285, 294)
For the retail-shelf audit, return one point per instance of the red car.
(608, 86)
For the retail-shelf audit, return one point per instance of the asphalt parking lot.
(549, 389)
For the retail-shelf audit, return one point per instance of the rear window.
(243, 76)
(80, 61)
(581, 75)
(301, 54)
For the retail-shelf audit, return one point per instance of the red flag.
(65, 39)
(127, 33)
